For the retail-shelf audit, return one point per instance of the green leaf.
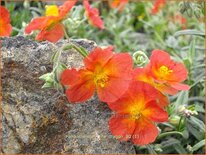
(195, 130)
(182, 99)
(169, 133)
(179, 148)
(48, 77)
(48, 85)
(189, 32)
(198, 145)
(198, 123)
(191, 51)
(187, 63)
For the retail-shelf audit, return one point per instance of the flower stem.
(82, 51)
(65, 33)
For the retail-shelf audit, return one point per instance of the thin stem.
(65, 33)
(81, 51)
(179, 125)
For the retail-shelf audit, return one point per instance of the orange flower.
(107, 73)
(120, 4)
(5, 26)
(50, 26)
(93, 15)
(163, 73)
(136, 112)
(158, 4)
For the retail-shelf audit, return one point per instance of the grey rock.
(39, 120)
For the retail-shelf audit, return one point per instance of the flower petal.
(163, 100)
(180, 86)
(167, 89)
(121, 127)
(5, 25)
(154, 112)
(145, 132)
(52, 35)
(120, 65)
(113, 90)
(36, 24)
(98, 57)
(141, 74)
(179, 73)
(159, 58)
(93, 15)
(141, 89)
(80, 92)
(5, 17)
(70, 76)
(121, 105)
(120, 4)
(6, 30)
(137, 91)
(66, 7)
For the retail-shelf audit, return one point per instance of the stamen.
(164, 70)
(100, 80)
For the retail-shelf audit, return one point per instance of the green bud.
(140, 58)
(174, 119)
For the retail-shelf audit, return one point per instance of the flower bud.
(174, 119)
(140, 58)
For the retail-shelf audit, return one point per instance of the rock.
(36, 120)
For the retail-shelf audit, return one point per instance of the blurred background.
(176, 27)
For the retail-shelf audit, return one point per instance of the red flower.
(5, 26)
(93, 15)
(136, 112)
(158, 4)
(120, 4)
(107, 73)
(163, 73)
(50, 26)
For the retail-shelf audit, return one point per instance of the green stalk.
(80, 50)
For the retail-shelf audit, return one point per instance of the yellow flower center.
(164, 70)
(52, 10)
(136, 111)
(100, 79)
(135, 115)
